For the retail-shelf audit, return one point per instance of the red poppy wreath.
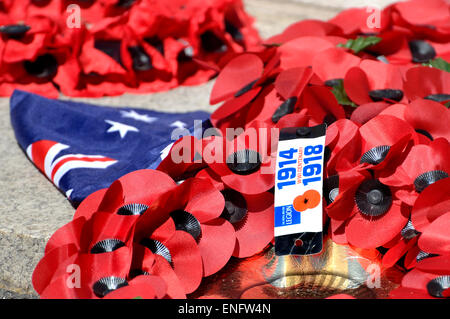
(383, 92)
(109, 47)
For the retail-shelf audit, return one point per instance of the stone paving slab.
(31, 208)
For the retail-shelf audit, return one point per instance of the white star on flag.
(123, 129)
(178, 124)
(138, 117)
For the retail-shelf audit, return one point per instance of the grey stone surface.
(31, 208)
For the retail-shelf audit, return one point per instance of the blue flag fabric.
(82, 148)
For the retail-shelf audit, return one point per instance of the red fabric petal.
(112, 199)
(90, 204)
(301, 52)
(437, 265)
(302, 29)
(153, 182)
(182, 159)
(384, 130)
(156, 221)
(338, 231)
(104, 226)
(357, 87)
(320, 102)
(421, 159)
(435, 238)
(414, 12)
(204, 201)
(369, 233)
(408, 293)
(342, 206)
(46, 268)
(67, 234)
(232, 106)
(255, 231)
(334, 63)
(366, 112)
(238, 73)
(353, 21)
(424, 81)
(432, 203)
(209, 174)
(395, 253)
(430, 116)
(186, 259)
(163, 269)
(291, 82)
(216, 245)
(382, 75)
(58, 290)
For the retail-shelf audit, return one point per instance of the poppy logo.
(310, 199)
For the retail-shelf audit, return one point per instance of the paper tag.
(298, 191)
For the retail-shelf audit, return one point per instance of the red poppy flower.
(374, 81)
(372, 215)
(250, 215)
(139, 188)
(30, 54)
(425, 234)
(431, 20)
(424, 165)
(419, 284)
(178, 249)
(196, 209)
(101, 275)
(245, 163)
(279, 102)
(428, 118)
(101, 235)
(380, 145)
(143, 46)
(419, 51)
(106, 223)
(429, 83)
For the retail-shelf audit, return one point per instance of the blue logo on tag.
(286, 216)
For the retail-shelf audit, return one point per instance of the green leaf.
(341, 95)
(138, 297)
(439, 63)
(447, 105)
(360, 43)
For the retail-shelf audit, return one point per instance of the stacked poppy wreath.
(384, 94)
(108, 47)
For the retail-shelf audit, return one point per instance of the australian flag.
(82, 148)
